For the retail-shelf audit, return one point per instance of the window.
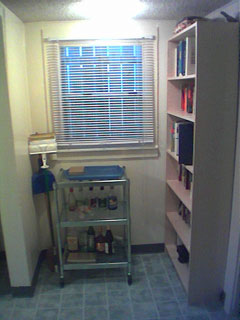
(102, 94)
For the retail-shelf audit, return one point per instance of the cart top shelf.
(92, 175)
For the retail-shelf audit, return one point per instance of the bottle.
(91, 239)
(112, 202)
(109, 241)
(100, 242)
(71, 200)
(102, 200)
(93, 198)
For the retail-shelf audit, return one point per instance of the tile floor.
(156, 294)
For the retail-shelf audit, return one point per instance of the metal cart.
(99, 217)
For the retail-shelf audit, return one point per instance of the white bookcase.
(215, 79)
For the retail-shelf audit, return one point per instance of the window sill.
(93, 155)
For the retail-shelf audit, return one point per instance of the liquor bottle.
(112, 202)
(102, 200)
(100, 242)
(71, 200)
(91, 239)
(109, 241)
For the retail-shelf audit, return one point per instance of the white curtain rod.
(104, 39)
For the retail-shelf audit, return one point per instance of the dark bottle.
(108, 241)
(93, 198)
(102, 200)
(100, 242)
(91, 239)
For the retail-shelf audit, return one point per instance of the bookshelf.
(205, 95)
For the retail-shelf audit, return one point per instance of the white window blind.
(102, 93)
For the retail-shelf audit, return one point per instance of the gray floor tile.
(47, 314)
(163, 294)
(71, 314)
(23, 314)
(120, 312)
(136, 260)
(138, 270)
(152, 268)
(198, 317)
(172, 318)
(119, 297)
(72, 300)
(141, 295)
(5, 314)
(145, 311)
(115, 273)
(95, 313)
(117, 284)
(221, 315)
(180, 293)
(93, 299)
(159, 281)
(26, 303)
(95, 286)
(7, 302)
(73, 287)
(168, 309)
(188, 310)
(139, 282)
(49, 301)
(50, 288)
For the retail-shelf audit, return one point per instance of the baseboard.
(148, 248)
(28, 291)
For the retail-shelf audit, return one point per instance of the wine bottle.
(109, 241)
(91, 239)
(100, 242)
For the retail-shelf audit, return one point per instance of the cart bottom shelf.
(117, 260)
(181, 268)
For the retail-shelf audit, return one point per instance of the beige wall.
(147, 175)
(19, 221)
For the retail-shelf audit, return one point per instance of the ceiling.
(58, 10)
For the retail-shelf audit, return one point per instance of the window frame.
(109, 146)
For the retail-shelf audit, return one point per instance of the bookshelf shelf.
(172, 154)
(182, 78)
(182, 115)
(175, 157)
(181, 268)
(189, 168)
(182, 229)
(202, 90)
(180, 191)
(188, 32)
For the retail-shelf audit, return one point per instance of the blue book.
(183, 56)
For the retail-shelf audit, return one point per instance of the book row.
(185, 57)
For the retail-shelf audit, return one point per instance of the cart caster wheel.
(129, 280)
(61, 283)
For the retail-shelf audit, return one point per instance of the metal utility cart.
(98, 217)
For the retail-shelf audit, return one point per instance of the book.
(81, 257)
(190, 55)
(183, 62)
(185, 140)
(76, 171)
